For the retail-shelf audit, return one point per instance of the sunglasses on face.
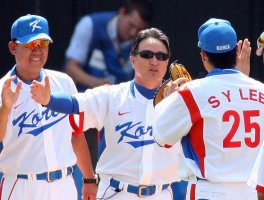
(161, 56)
(41, 43)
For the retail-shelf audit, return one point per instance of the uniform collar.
(147, 93)
(13, 73)
(218, 71)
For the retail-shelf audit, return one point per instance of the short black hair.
(150, 33)
(225, 60)
(144, 8)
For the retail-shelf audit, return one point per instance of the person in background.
(39, 151)
(220, 124)
(100, 45)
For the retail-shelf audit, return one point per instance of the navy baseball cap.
(217, 36)
(260, 43)
(30, 27)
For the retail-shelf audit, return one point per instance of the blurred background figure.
(99, 48)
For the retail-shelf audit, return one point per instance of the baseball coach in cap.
(218, 119)
(38, 157)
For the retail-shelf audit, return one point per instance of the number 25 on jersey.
(252, 129)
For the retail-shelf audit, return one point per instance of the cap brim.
(30, 38)
(259, 51)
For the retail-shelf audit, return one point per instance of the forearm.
(82, 152)
(3, 121)
(63, 103)
(260, 195)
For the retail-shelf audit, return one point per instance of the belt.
(141, 190)
(48, 176)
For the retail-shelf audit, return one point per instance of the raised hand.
(243, 56)
(40, 92)
(9, 96)
(173, 86)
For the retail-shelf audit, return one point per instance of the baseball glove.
(176, 71)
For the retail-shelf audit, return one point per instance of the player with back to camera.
(220, 124)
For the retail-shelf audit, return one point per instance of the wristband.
(95, 179)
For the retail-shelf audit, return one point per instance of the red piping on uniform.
(192, 192)
(260, 188)
(196, 132)
(12, 189)
(1, 189)
(77, 130)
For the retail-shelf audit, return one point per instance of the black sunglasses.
(149, 54)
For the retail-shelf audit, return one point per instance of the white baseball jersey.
(219, 120)
(256, 179)
(37, 139)
(128, 151)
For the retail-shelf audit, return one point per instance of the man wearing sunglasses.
(98, 52)
(38, 156)
(218, 119)
(131, 165)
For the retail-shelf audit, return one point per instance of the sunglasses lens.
(30, 45)
(149, 54)
(161, 56)
(44, 43)
(41, 43)
(146, 54)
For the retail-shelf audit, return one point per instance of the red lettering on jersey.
(212, 100)
(227, 95)
(261, 98)
(248, 121)
(253, 95)
(241, 95)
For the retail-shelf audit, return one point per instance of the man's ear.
(132, 60)
(12, 47)
(203, 56)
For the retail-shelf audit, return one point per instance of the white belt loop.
(64, 172)
(122, 185)
(158, 189)
(32, 177)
